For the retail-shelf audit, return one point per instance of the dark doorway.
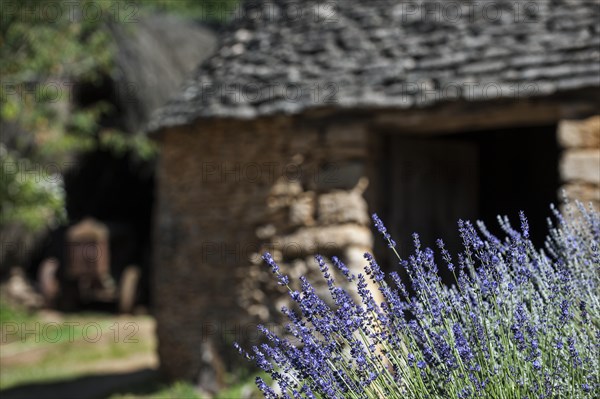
(433, 181)
(117, 190)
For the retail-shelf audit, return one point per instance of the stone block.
(580, 134)
(581, 165)
(342, 207)
(286, 187)
(581, 192)
(302, 210)
(265, 232)
(324, 239)
(339, 175)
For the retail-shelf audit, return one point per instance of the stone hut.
(312, 114)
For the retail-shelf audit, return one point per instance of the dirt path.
(12, 354)
(96, 372)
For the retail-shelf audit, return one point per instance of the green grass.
(240, 384)
(65, 360)
(34, 350)
(12, 314)
(47, 357)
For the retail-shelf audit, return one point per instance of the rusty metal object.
(88, 261)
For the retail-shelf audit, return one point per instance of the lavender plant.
(518, 322)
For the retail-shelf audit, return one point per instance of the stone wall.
(230, 190)
(580, 162)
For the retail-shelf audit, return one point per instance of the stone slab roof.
(288, 56)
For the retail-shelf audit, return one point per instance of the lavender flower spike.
(281, 278)
(381, 228)
(518, 322)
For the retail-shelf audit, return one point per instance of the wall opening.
(432, 181)
(117, 190)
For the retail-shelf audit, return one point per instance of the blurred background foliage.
(47, 50)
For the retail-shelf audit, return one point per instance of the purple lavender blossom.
(518, 322)
(381, 228)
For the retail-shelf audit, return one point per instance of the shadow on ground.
(87, 387)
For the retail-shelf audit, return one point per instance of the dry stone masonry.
(580, 164)
(231, 190)
(275, 142)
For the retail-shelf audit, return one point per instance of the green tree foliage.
(47, 47)
(210, 10)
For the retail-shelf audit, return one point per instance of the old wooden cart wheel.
(128, 288)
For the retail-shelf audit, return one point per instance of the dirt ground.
(80, 367)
